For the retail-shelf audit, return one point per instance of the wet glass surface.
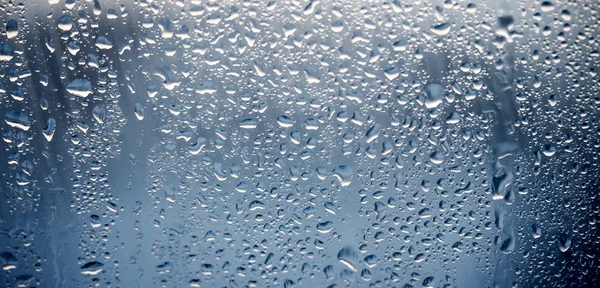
(200, 143)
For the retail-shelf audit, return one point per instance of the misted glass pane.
(299, 143)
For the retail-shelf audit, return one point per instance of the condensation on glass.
(295, 143)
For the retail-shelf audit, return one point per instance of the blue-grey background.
(299, 143)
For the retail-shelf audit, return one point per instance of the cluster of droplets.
(298, 143)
